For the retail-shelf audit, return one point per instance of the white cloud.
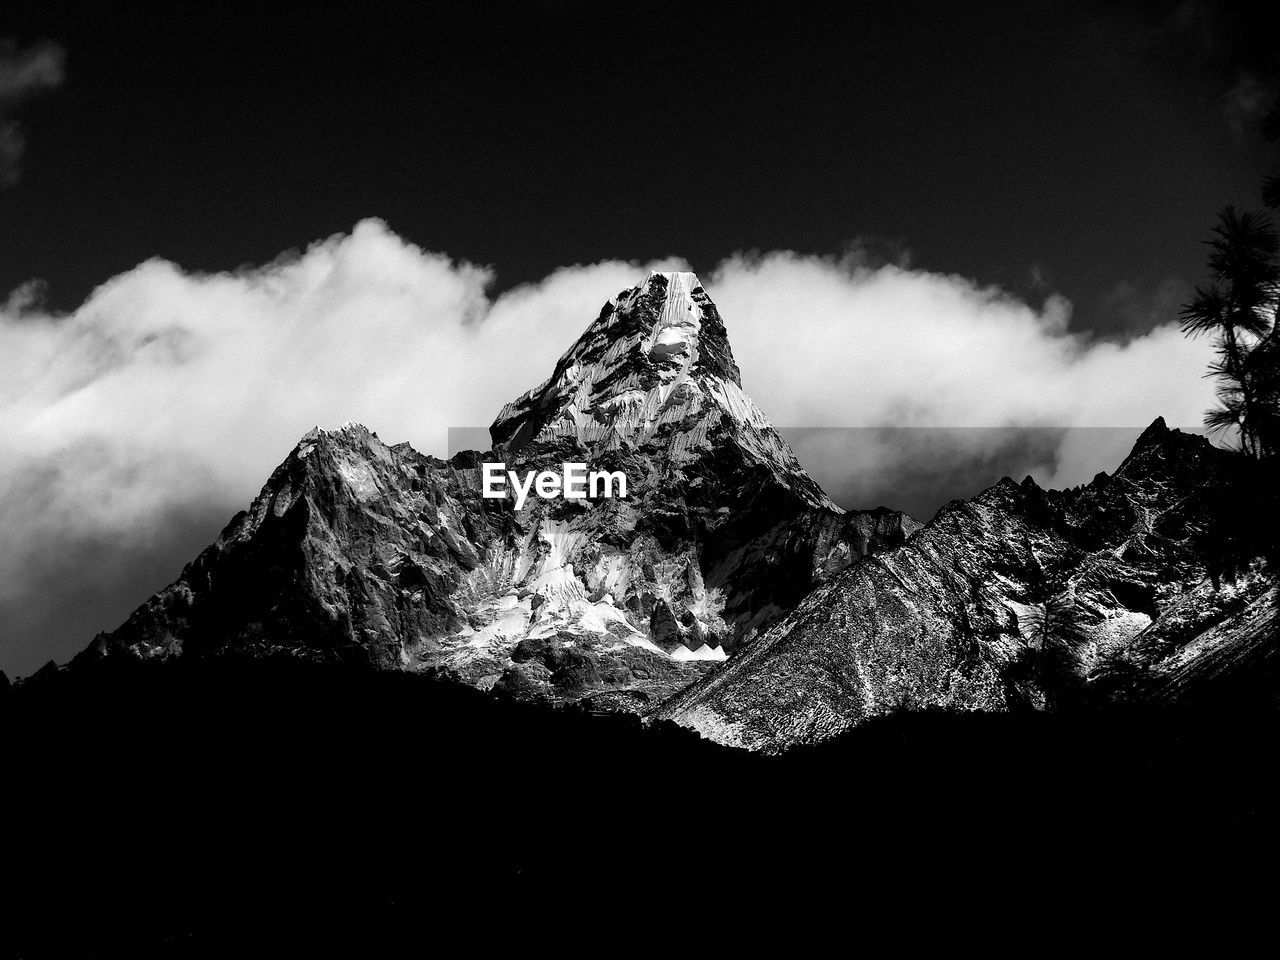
(167, 388)
(833, 343)
(827, 343)
(169, 393)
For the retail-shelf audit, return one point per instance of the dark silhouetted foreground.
(221, 811)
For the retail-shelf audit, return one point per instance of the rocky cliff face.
(359, 551)
(1020, 597)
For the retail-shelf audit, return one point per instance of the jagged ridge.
(947, 620)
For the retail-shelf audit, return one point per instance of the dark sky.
(1082, 148)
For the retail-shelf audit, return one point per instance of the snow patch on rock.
(683, 654)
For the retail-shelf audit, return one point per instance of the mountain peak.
(1155, 433)
(1160, 436)
(679, 323)
(653, 372)
(651, 347)
(676, 287)
(687, 277)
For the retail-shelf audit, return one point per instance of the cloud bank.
(23, 73)
(132, 428)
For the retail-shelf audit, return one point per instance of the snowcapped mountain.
(1018, 598)
(653, 373)
(360, 551)
(723, 549)
(723, 529)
